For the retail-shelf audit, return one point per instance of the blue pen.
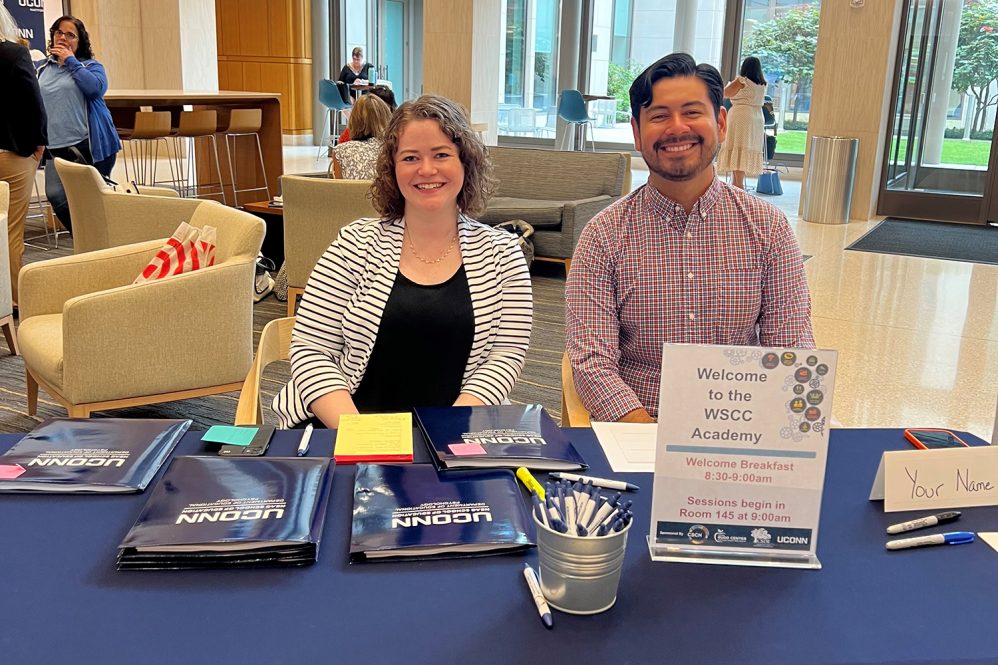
(951, 538)
(538, 509)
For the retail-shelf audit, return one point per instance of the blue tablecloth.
(62, 600)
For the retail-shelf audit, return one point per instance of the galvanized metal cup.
(580, 574)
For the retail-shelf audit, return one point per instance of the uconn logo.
(76, 461)
(31, 4)
(462, 517)
(230, 515)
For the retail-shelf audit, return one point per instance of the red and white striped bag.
(189, 248)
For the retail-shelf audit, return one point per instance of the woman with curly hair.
(80, 127)
(422, 306)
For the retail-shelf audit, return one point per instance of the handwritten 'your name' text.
(964, 483)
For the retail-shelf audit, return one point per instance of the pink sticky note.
(466, 449)
(10, 471)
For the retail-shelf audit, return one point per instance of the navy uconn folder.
(231, 512)
(505, 436)
(408, 511)
(90, 455)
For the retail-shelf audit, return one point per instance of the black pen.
(923, 522)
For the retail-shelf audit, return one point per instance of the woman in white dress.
(741, 152)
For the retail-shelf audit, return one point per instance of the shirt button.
(689, 235)
(691, 316)
(690, 275)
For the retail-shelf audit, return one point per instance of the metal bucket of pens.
(580, 573)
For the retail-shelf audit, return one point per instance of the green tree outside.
(976, 67)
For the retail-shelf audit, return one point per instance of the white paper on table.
(629, 447)
(990, 537)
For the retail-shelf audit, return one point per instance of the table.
(273, 218)
(124, 103)
(63, 601)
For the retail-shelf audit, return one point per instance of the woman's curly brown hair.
(479, 184)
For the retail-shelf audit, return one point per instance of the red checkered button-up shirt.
(646, 273)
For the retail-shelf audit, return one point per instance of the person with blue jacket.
(80, 128)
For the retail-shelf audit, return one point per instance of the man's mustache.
(672, 140)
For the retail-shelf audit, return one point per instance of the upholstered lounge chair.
(95, 341)
(557, 192)
(315, 209)
(105, 218)
(6, 300)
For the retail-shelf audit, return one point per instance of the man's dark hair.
(673, 65)
(385, 94)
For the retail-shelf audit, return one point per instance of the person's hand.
(637, 416)
(60, 52)
(38, 153)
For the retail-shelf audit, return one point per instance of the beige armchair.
(6, 299)
(105, 218)
(95, 341)
(315, 209)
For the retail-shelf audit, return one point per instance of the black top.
(422, 348)
(23, 121)
(348, 77)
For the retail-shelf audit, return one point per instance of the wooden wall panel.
(265, 46)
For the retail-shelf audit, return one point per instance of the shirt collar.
(668, 208)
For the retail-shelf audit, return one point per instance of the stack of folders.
(90, 455)
(235, 512)
(505, 436)
(411, 511)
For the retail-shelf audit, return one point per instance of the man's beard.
(680, 171)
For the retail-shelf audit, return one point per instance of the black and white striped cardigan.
(337, 321)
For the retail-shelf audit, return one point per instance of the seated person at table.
(686, 258)
(423, 306)
(356, 159)
(356, 70)
(382, 92)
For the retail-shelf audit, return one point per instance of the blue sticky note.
(234, 436)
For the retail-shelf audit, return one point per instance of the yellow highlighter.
(530, 482)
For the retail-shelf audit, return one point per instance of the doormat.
(931, 240)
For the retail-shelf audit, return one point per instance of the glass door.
(943, 114)
(394, 46)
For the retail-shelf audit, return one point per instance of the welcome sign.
(740, 454)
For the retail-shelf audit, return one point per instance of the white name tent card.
(940, 478)
(740, 455)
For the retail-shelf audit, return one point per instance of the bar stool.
(151, 127)
(244, 122)
(196, 125)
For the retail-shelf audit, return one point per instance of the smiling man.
(686, 258)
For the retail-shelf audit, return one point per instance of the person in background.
(357, 158)
(741, 152)
(80, 127)
(386, 95)
(685, 258)
(356, 69)
(22, 136)
(423, 306)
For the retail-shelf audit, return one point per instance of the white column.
(320, 64)
(568, 63)
(945, 58)
(685, 31)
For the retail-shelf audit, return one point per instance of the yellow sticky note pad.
(374, 437)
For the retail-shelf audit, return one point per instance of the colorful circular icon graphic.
(805, 427)
(797, 405)
(821, 369)
(812, 413)
(803, 374)
(788, 358)
(770, 360)
(815, 397)
(798, 389)
(812, 361)
(698, 534)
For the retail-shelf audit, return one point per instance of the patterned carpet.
(539, 383)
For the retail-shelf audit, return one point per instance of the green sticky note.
(235, 436)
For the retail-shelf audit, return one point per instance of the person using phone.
(80, 128)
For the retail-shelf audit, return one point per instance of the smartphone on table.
(931, 439)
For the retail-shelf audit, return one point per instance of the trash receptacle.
(831, 171)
